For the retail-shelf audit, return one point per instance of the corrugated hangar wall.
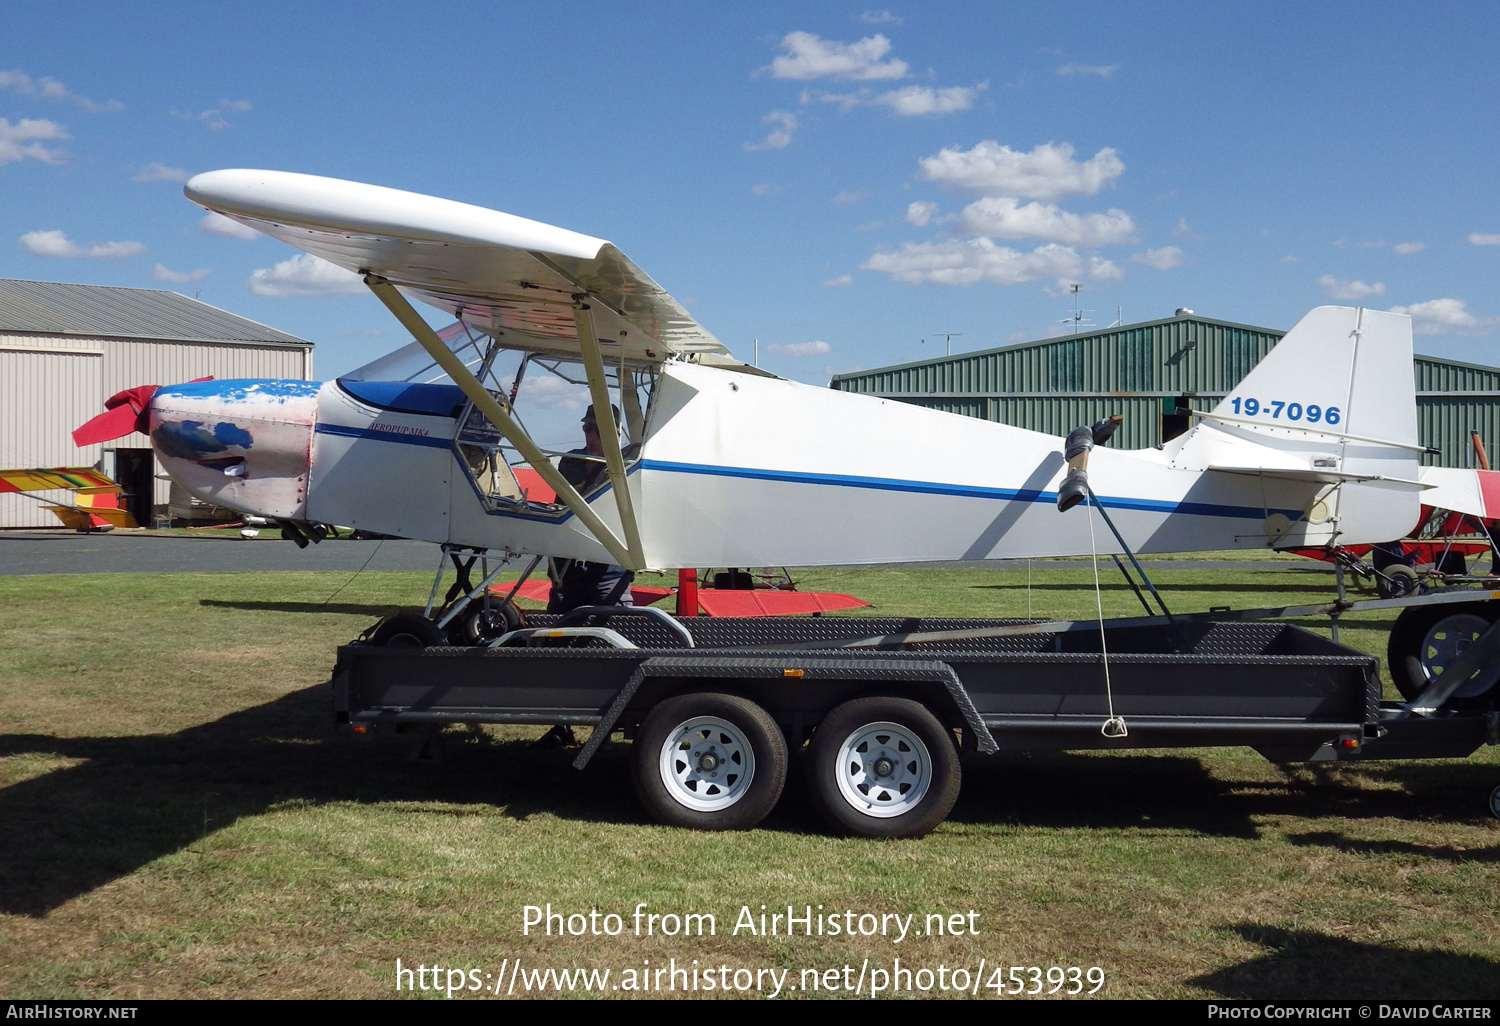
(55, 373)
(1146, 371)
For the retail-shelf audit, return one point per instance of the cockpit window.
(545, 395)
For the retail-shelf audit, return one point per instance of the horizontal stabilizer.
(1316, 476)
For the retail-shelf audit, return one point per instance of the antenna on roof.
(948, 337)
(1077, 320)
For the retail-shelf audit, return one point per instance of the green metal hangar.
(1148, 372)
(64, 349)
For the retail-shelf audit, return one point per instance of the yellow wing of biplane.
(96, 505)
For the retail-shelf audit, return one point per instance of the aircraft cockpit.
(544, 394)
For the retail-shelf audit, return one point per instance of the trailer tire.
(408, 630)
(709, 762)
(1429, 638)
(883, 767)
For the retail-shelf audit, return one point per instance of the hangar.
(1149, 372)
(64, 349)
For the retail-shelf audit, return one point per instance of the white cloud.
(920, 213)
(1446, 317)
(841, 281)
(845, 197)
(808, 57)
(1475, 238)
(161, 273)
(57, 244)
(1097, 70)
(226, 227)
(1408, 248)
(1182, 231)
(800, 350)
(305, 275)
(49, 88)
(955, 262)
(780, 137)
(1046, 173)
(213, 118)
(764, 189)
(1163, 259)
(552, 392)
(1290, 258)
(880, 18)
(1336, 288)
(22, 141)
(161, 173)
(916, 100)
(1004, 217)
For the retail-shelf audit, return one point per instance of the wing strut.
(508, 428)
(614, 460)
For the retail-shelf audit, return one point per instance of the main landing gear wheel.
(883, 767)
(479, 624)
(1495, 802)
(408, 630)
(709, 762)
(1426, 640)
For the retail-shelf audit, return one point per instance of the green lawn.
(181, 818)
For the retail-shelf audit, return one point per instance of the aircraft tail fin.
(1333, 404)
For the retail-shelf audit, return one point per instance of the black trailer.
(885, 706)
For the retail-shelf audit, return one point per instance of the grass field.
(180, 817)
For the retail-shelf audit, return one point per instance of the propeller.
(124, 412)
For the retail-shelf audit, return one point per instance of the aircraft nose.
(241, 444)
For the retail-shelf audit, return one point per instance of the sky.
(832, 187)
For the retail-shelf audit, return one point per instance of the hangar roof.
(53, 308)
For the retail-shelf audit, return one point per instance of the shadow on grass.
(1163, 791)
(1351, 846)
(136, 799)
(1310, 966)
(300, 607)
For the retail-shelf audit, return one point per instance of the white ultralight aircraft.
(719, 463)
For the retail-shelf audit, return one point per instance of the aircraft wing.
(505, 275)
(1476, 492)
(73, 479)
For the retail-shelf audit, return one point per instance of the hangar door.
(45, 392)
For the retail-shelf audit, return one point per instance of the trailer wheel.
(709, 762)
(883, 767)
(1426, 640)
(407, 630)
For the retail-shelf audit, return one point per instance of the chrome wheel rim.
(884, 770)
(1447, 642)
(707, 764)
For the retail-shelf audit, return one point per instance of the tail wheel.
(1397, 581)
(709, 762)
(1427, 640)
(883, 767)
